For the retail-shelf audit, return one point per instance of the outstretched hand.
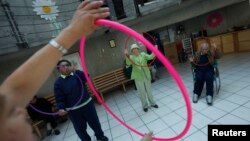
(191, 59)
(213, 44)
(147, 137)
(126, 52)
(62, 112)
(83, 21)
(156, 46)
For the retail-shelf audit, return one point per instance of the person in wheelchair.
(203, 64)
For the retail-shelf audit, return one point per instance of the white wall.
(231, 17)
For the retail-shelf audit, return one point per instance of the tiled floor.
(231, 106)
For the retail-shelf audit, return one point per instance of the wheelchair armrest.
(215, 63)
(216, 71)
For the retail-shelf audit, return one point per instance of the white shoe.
(209, 100)
(195, 98)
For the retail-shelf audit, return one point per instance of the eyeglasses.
(63, 66)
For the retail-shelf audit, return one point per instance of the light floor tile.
(231, 106)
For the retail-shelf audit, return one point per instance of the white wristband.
(54, 44)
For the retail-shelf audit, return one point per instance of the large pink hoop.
(164, 61)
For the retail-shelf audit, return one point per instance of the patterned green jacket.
(141, 67)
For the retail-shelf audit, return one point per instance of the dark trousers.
(203, 76)
(80, 117)
(47, 118)
(141, 2)
(51, 120)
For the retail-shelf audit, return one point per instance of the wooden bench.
(110, 80)
(36, 126)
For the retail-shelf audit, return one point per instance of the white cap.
(133, 46)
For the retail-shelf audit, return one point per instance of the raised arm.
(215, 51)
(24, 82)
(127, 58)
(149, 56)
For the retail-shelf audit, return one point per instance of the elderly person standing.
(204, 71)
(141, 75)
(69, 88)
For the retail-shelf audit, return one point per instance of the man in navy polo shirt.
(69, 88)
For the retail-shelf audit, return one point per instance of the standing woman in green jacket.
(141, 75)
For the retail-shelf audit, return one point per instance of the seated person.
(45, 106)
(204, 71)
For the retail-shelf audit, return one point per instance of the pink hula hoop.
(164, 61)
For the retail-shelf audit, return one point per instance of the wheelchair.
(217, 80)
(194, 45)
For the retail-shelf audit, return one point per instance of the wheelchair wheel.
(217, 81)
(193, 74)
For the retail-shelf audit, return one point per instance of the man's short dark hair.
(63, 60)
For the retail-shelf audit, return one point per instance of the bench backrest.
(104, 81)
(110, 79)
(119, 73)
(51, 99)
(101, 82)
